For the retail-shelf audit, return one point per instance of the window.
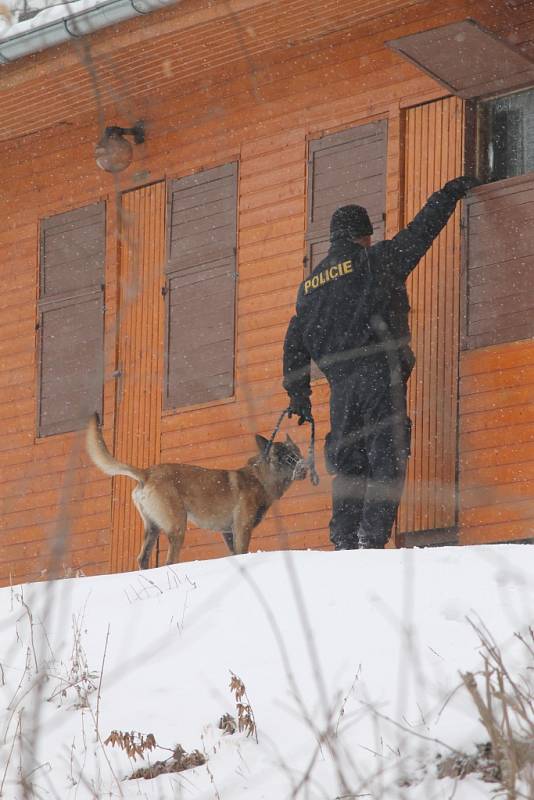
(498, 301)
(71, 319)
(506, 136)
(200, 287)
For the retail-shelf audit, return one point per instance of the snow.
(48, 12)
(366, 643)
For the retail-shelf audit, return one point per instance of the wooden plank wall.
(433, 153)
(497, 380)
(497, 443)
(279, 73)
(140, 358)
(54, 512)
(270, 264)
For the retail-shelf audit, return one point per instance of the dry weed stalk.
(227, 724)
(506, 709)
(210, 773)
(245, 715)
(133, 743)
(78, 677)
(17, 731)
(178, 762)
(480, 763)
(137, 744)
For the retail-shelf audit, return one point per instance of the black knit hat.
(350, 221)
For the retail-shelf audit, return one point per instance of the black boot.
(351, 544)
(347, 502)
(371, 544)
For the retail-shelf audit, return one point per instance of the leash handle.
(314, 477)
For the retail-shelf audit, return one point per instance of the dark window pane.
(507, 136)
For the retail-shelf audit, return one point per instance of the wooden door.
(433, 153)
(140, 358)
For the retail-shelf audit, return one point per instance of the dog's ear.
(262, 443)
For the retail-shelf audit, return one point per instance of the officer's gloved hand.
(459, 187)
(300, 406)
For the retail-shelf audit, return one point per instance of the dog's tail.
(100, 455)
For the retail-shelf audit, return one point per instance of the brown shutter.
(72, 253)
(344, 168)
(499, 273)
(201, 277)
(466, 58)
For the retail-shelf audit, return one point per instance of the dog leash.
(276, 429)
(314, 477)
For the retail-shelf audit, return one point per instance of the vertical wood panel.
(139, 400)
(433, 155)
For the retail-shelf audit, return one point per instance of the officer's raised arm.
(410, 244)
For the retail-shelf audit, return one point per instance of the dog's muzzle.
(300, 470)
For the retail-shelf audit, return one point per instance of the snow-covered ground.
(350, 661)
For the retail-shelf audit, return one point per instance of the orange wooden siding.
(269, 76)
(497, 443)
(140, 358)
(433, 155)
(271, 222)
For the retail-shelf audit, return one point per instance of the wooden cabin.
(159, 295)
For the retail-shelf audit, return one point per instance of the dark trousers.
(366, 450)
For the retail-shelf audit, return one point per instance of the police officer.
(352, 320)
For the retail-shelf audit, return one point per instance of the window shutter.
(499, 296)
(466, 58)
(201, 279)
(71, 329)
(345, 168)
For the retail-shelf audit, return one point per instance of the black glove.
(300, 406)
(459, 187)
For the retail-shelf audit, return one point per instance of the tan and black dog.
(231, 501)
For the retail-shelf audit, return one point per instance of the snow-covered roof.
(17, 17)
(27, 26)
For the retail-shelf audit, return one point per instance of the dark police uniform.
(352, 320)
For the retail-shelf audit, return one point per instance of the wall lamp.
(113, 152)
